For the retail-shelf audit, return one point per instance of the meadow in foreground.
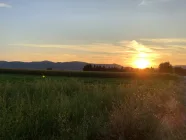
(80, 109)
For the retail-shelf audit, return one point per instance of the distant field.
(67, 108)
(126, 75)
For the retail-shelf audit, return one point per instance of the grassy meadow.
(67, 108)
(88, 74)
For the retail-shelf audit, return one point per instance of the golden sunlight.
(141, 63)
(141, 60)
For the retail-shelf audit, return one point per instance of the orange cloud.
(124, 53)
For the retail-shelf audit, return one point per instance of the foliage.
(166, 67)
(180, 71)
(90, 67)
(87, 109)
(99, 74)
(49, 68)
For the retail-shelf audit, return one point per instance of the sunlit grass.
(80, 109)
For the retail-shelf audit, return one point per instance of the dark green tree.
(180, 71)
(165, 67)
(87, 67)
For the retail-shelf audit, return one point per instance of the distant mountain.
(183, 66)
(74, 65)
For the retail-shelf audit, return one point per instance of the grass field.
(92, 74)
(65, 108)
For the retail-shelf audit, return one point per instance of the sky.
(94, 31)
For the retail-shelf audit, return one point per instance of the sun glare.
(142, 63)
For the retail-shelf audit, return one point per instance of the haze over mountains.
(74, 65)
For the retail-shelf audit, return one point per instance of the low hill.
(74, 65)
(183, 66)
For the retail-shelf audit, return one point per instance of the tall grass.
(72, 109)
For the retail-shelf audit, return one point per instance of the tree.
(87, 67)
(49, 68)
(122, 69)
(166, 67)
(180, 71)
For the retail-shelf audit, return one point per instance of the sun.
(141, 63)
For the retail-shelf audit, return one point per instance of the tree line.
(164, 67)
(90, 67)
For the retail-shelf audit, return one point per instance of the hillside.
(74, 65)
(183, 66)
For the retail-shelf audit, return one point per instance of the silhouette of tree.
(87, 67)
(49, 68)
(166, 67)
(180, 71)
(122, 69)
(103, 68)
(90, 67)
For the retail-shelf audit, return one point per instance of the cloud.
(169, 49)
(145, 2)
(138, 47)
(124, 53)
(169, 45)
(93, 48)
(148, 2)
(4, 5)
(165, 40)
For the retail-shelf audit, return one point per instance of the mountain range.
(74, 65)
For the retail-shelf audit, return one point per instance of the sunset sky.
(95, 31)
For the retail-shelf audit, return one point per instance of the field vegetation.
(92, 74)
(57, 108)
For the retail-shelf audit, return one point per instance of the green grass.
(61, 108)
(92, 74)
